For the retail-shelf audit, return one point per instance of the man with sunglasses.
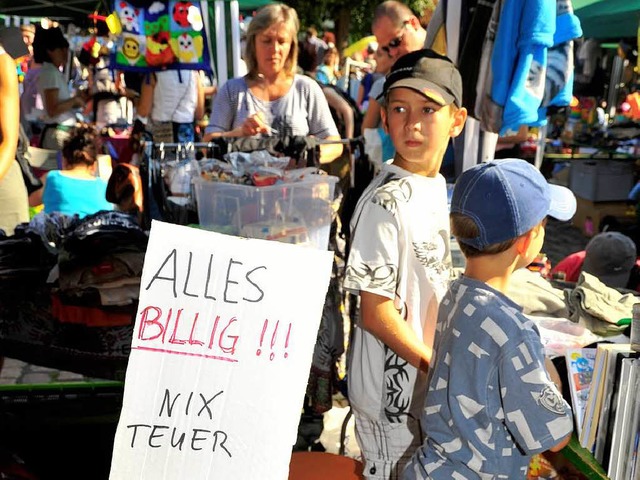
(397, 30)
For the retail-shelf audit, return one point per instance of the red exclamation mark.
(264, 329)
(274, 337)
(286, 342)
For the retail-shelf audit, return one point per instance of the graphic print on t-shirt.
(391, 194)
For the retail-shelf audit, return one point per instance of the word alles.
(241, 283)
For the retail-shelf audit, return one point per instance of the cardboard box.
(589, 214)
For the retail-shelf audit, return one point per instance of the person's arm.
(321, 124)
(557, 380)
(342, 108)
(371, 118)
(634, 194)
(145, 103)
(331, 151)
(199, 112)
(54, 106)
(210, 91)
(563, 443)
(553, 373)
(252, 125)
(9, 113)
(532, 390)
(519, 137)
(360, 96)
(35, 198)
(380, 318)
(223, 114)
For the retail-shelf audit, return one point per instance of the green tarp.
(611, 19)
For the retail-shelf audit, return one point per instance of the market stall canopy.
(69, 9)
(78, 9)
(608, 18)
(253, 4)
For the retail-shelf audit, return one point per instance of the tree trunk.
(342, 27)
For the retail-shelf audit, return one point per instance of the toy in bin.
(286, 225)
(291, 211)
(285, 232)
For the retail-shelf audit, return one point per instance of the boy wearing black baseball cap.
(399, 261)
(491, 405)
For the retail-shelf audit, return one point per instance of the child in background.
(327, 72)
(74, 190)
(400, 261)
(491, 404)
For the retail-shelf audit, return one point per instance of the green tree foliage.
(352, 17)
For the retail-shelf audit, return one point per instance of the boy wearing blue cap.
(491, 404)
(399, 261)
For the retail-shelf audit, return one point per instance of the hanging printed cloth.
(161, 35)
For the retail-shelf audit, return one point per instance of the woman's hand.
(78, 101)
(255, 124)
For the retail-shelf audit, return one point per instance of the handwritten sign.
(220, 357)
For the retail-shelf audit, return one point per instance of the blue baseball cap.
(507, 198)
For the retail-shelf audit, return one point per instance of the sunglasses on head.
(396, 42)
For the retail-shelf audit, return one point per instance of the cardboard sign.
(220, 356)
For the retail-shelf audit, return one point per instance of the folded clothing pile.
(598, 307)
(97, 275)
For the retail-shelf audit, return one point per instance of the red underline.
(173, 352)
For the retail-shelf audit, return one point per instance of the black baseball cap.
(427, 72)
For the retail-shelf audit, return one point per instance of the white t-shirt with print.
(400, 250)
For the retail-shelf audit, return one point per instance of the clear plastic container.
(298, 212)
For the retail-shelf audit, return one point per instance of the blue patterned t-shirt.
(490, 405)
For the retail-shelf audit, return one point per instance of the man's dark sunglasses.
(396, 42)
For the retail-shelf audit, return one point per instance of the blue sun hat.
(507, 198)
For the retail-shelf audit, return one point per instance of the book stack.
(580, 364)
(610, 423)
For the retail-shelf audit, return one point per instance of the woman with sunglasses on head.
(75, 190)
(272, 99)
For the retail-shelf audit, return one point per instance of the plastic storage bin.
(601, 180)
(298, 213)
